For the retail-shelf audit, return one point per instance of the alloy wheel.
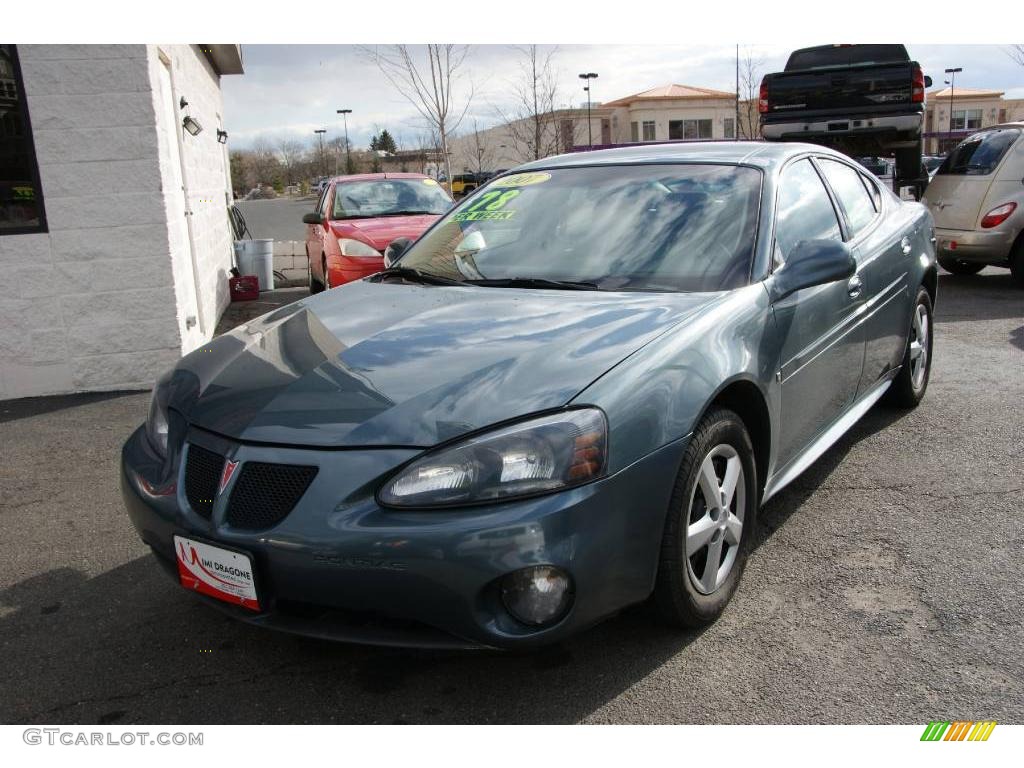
(715, 521)
(919, 347)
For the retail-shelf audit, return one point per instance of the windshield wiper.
(536, 282)
(409, 213)
(415, 275)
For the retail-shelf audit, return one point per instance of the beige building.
(666, 113)
(972, 108)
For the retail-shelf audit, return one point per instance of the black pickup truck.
(858, 99)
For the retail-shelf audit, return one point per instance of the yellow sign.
(521, 180)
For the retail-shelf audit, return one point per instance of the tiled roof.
(965, 93)
(672, 91)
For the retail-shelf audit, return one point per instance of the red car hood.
(380, 232)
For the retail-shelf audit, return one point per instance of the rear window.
(845, 56)
(978, 155)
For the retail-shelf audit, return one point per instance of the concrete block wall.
(290, 260)
(208, 181)
(88, 304)
(96, 302)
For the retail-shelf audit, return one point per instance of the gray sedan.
(572, 394)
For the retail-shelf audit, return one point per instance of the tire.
(315, 286)
(327, 275)
(960, 267)
(1017, 261)
(908, 388)
(686, 593)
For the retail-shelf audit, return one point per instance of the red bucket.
(244, 288)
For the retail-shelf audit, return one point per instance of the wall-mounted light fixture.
(191, 125)
(222, 136)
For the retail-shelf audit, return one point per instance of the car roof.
(758, 153)
(377, 177)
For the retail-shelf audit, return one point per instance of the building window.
(649, 130)
(729, 127)
(21, 197)
(689, 129)
(966, 119)
(634, 131)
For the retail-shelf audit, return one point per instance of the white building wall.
(91, 304)
(201, 267)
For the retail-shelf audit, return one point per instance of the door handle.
(855, 286)
(905, 246)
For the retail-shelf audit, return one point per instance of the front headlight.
(541, 455)
(356, 248)
(156, 424)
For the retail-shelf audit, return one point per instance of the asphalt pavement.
(280, 218)
(885, 587)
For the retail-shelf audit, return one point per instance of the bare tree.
(430, 86)
(531, 121)
(480, 150)
(751, 67)
(290, 152)
(1017, 53)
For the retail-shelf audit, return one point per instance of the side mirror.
(927, 81)
(812, 262)
(397, 247)
(313, 218)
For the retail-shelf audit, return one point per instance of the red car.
(357, 217)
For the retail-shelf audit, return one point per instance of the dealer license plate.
(221, 573)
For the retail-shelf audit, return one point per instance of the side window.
(856, 202)
(323, 206)
(805, 210)
(876, 196)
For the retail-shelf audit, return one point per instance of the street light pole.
(587, 77)
(348, 150)
(952, 87)
(320, 134)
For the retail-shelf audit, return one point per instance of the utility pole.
(587, 77)
(736, 125)
(320, 134)
(952, 86)
(348, 150)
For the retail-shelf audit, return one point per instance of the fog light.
(537, 595)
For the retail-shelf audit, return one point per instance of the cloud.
(290, 90)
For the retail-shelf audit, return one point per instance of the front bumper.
(341, 567)
(991, 246)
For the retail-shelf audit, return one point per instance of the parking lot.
(885, 587)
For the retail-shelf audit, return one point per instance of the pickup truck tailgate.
(869, 87)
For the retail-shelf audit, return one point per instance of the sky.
(288, 91)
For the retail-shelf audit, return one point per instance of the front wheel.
(958, 267)
(908, 388)
(710, 523)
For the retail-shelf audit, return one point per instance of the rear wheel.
(958, 267)
(710, 523)
(908, 388)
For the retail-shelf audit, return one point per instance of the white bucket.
(256, 257)
(262, 254)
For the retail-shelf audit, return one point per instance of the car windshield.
(388, 197)
(644, 227)
(978, 155)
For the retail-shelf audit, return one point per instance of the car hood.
(392, 364)
(380, 232)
